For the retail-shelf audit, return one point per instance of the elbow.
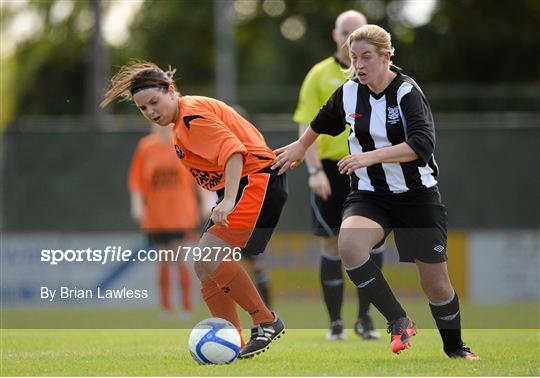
(426, 154)
(422, 148)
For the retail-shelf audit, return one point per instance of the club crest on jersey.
(393, 115)
(179, 152)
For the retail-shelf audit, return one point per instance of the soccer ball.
(214, 341)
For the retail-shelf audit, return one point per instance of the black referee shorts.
(326, 215)
(418, 219)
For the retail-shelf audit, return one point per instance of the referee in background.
(328, 187)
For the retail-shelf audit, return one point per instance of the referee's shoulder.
(322, 66)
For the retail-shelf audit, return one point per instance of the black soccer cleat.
(336, 331)
(262, 336)
(365, 328)
(401, 330)
(465, 353)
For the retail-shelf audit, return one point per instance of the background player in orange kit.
(227, 154)
(164, 202)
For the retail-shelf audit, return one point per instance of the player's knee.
(201, 271)
(349, 247)
(439, 292)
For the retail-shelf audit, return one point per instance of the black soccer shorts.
(418, 219)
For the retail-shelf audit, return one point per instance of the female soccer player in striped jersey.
(227, 154)
(393, 185)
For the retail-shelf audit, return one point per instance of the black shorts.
(164, 237)
(260, 200)
(326, 215)
(418, 219)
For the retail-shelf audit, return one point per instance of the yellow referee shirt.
(321, 81)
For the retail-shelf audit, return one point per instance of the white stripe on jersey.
(426, 176)
(350, 89)
(403, 89)
(377, 129)
(428, 180)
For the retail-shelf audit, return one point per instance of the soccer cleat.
(365, 328)
(336, 331)
(262, 336)
(465, 353)
(401, 331)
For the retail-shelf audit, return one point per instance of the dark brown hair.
(136, 77)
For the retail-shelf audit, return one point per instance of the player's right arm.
(138, 207)
(291, 155)
(318, 181)
(233, 174)
(329, 120)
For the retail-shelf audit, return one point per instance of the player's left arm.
(400, 153)
(419, 139)
(420, 128)
(233, 173)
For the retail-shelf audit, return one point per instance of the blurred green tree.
(47, 68)
(480, 41)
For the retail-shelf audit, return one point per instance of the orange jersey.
(167, 187)
(208, 132)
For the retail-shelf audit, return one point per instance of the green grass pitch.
(163, 351)
(298, 353)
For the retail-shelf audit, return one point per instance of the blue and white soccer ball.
(214, 341)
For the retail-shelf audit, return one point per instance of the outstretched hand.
(289, 156)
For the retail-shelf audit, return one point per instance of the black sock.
(263, 285)
(377, 259)
(448, 320)
(368, 278)
(363, 299)
(332, 285)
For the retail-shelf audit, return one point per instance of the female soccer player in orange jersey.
(164, 202)
(227, 154)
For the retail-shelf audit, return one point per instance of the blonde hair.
(135, 77)
(374, 35)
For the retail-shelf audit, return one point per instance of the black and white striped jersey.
(399, 114)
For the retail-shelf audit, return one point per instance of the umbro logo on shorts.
(438, 248)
